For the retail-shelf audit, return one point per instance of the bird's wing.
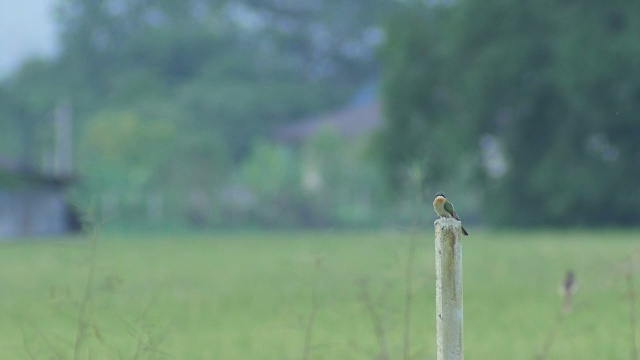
(449, 208)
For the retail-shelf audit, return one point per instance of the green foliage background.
(553, 85)
(526, 113)
(176, 101)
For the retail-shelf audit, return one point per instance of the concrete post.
(448, 236)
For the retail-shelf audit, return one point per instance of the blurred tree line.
(526, 112)
(533, 104)
(172, 99)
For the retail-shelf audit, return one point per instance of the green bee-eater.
(444, 208)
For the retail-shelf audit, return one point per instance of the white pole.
(63, 152)
(449, 289)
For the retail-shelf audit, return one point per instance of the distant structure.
(33, 200)
(351, 121)
(32, 203)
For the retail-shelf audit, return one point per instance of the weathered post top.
(448, 242)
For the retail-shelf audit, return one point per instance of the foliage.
(341, 178)
(123, 156)
(214, 76)
(131, 147)
(327, 182)
(271, 176)
(545, 88)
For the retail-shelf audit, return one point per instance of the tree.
(549, 83)
(415, 96)
(29, 98)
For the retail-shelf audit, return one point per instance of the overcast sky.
(26, 29)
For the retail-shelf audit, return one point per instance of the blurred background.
(290, 114)
(200, 133)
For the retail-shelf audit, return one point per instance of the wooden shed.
(33, 203)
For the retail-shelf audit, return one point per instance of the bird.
(444, 208)
(567, 289)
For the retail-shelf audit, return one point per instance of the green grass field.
(250, 296)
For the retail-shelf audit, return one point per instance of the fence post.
(448, 236)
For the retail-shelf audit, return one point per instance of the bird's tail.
(464, 232)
